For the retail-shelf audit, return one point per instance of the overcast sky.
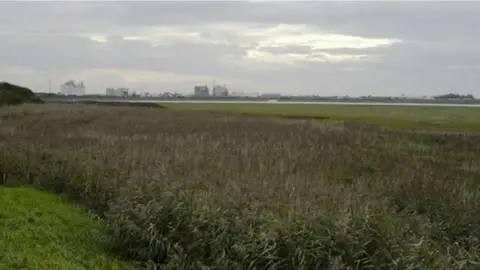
(324, 48)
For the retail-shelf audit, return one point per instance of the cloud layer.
(326, 48)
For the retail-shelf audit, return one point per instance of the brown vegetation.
(184, 190)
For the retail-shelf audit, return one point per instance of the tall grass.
(182, 190)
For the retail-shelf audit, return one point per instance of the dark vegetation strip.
(121, 104)
(11, 94)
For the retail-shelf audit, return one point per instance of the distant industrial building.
(117, 92)
(70, 88)
(238, 94)
(271, 95)
(201, 91)
(220, 91)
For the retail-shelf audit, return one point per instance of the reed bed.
(199, 190)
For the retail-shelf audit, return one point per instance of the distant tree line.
(455, 96)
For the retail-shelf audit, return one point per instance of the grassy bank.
(461, 119)
(186, 190)
(39, 231)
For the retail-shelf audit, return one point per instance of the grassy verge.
(461, 119)
(183, 190)
(39, 231)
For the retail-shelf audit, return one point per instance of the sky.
(334, 48)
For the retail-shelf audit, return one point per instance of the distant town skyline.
(297, 48)
(193, 92)
(52, 87)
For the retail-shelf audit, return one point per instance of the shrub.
(11, 94)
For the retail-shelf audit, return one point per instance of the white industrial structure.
(117, 92)
(220, 91)
(71, 88)
(202, 91)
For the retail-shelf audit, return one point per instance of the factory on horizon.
(201, 91)
(117, 92)
(204, 91)
(70, 88)
(220, 91)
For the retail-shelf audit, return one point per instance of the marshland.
(179, 187)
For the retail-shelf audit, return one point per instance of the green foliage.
(432, 118)
(39, 231)
(11, 94)
(182, 190)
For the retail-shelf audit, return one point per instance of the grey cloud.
(43, 52)
(406, 20)
(439, 52)
(429, 55)
(171, 12)
(68, 52)
(58, 17)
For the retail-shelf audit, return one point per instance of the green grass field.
(463, 119)
(40, 231)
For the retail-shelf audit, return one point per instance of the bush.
(11, 94)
